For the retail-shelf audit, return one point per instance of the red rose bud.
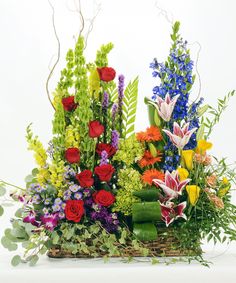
(111, 150)
(106, 74)
(104, 172)
(85, 179)
(74, 210)
(95, 129)
(69, 103)
(104, 198)
(72, 155)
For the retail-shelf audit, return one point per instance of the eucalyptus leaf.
(16, 260)
(8, 244)
(1, 210)
(34, 259)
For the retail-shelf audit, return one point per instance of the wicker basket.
(163, 246)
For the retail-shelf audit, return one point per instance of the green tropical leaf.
(129, 108)
(145, 231)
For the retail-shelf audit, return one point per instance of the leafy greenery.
(129, 108)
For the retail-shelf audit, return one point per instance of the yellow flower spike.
(94, 82)
(183, 174)
(187, 156)
(203, 146)
(193, 194)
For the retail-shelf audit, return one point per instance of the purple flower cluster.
(104, 157)
(108, 220)
(121, 86)
(105, 101)
(114, 110)
(115, 139)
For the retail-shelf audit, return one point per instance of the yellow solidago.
(94, 83)
(187, 157)
(57, 174)
(183, 174)
(35, 145)
(203, 146)
(71, 137)
(193, 194)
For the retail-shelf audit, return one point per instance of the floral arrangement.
(100, 189)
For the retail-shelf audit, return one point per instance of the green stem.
(11, 185)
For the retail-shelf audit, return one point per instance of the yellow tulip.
(193, 194)
(203, 146)
(183, 174)
(187, 157)
(225, 181)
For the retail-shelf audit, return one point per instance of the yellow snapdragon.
(56, 171)
(71, 137)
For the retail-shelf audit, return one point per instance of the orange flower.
(148, 159)
(150, 175)
(152, 134)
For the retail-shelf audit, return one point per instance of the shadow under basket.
(166, 245)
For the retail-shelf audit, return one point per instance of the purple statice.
(31, 218)
(50, 221)
(104, 157)
(69, 172)
(105, 102)
(78, 195)
(115, 139)
(114, 110)
(36, 199)
(108, 220)
(74, 188)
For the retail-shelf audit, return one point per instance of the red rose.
(104, 172)
(104, 198)
(111, 150)
(69, 103)
(85, 179)
(72, 155)
(74, 210)
(95, 129)
(106, 74)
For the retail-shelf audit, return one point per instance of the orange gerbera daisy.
(150, 175)
(148, 159)
(151, 134)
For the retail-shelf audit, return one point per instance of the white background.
(140, 32)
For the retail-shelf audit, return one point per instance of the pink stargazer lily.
(180, 136)
(165, 106)
(171, 212)
(172, 187)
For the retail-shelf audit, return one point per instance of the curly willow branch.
(58, 53)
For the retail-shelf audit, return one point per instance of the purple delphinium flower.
(50, 221)
(115, 139)
(104, 157)
(74, 188)
(30, 218)
(105, 101)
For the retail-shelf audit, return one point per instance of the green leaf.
(1, 210)
(8, 244)
(29, 178)
(147, 194)
(129, 108)
(145, 231)
(18, 213)
(16, 260)
(2, 190)
(200, 132)
(202, 110)
(55, 238)
(34, 259)
(146, 211)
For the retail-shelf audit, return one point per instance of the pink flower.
(30, 218)
(172, 186)
(50, 221)
(180, 136)
(165, 106)
(171, 212)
